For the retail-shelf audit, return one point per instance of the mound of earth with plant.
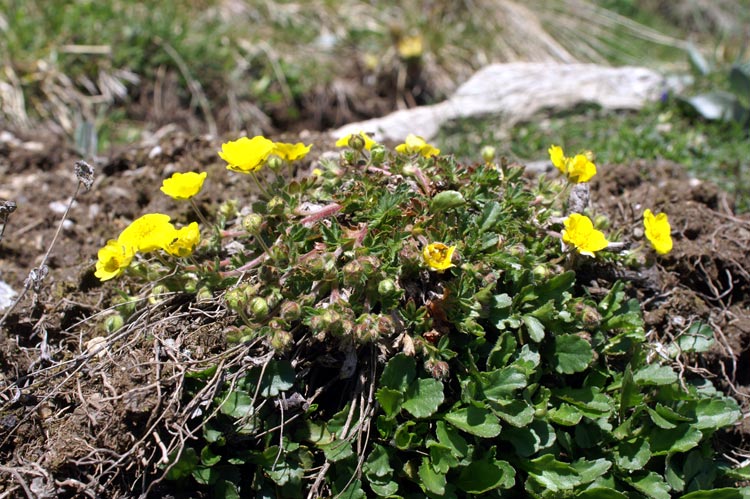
(369, 323)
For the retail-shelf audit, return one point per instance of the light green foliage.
(487, 378)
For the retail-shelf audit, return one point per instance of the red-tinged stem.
(322, 213)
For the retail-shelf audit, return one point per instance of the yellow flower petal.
(183, 185)
(344, 141)
(438, 256)
(291, 152)
(414, 144)
(658, 231)
(557, 157)
(580, 232)
(246, 155)
(113, 259)
(184, 240)
(147, 233)
(580, 169)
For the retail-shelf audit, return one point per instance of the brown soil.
(104, 410)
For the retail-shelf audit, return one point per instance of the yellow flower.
(246, 155)
(580, 232)
(147, 233)
(577, 169)
(183, 185)
(410, 47)
(438, 256)
(113, 259)
(658, 231)
(415, 144)
(344, 141)
(291, 152)
(184, 240)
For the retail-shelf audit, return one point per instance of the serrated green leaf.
(552, 474)
(571, 354)
(633, 454)
(399, 372)
(502, 301)
(448, 436)
(501, 383)
(534, 327)
(531, 439)
(601, 493)
(431, 480)
(390, 401)
(423, 397)
(377, 464)
(475, 420)
(655, 374)
(518, 413)
(650, 484)
(712, 414)
(680, 439)
(442, 457)
(591, 470)
(565, 414)
(386, 488)
(482, 476)
(491, 213)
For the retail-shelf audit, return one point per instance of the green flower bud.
(274, 298)
(541, 272)
(258, 308)
(276, 205)
(204, 294)
(252, 223)
(601, 222)
(356, 142)
(290, 311)
(281, 340)
(352, 273)
(488, 154)
(387, 287)
(377, 154)
(228, 209)
(113, 323)
(191, 283)
(157, 293)
(235, 299)
(274, 163)
(349, 157)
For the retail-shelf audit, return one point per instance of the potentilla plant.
(424, 335)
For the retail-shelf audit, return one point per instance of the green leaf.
(698, 338)
(208, 458)
(588, 399)
(725, 493)
(503, 350)
(501, 383)
(715, 105)
(670, 414)
(739, 80)
(377, 464)
(712, 414)
(601, 493)
(432, 481)
(279, 377)
(423, 397)
(337, 450)
(680, 439)
(224, 489)
(698, 63)
(534, 327)
(385, 488)
(237, 404)
(475, 420)
(571, 354)
(445, 200)
(491, 213)
(518, 413)
(442, 457)
(565, 414)
(184, 466)
(448, 436)
(390, 401)
(629, 394)
(650, 484)
(591, 470)
(531, 439)
(655, 374)
(552, 474)
(659, 420)
(482, 476)
(633, 454)
(502, 301)
(399, 372)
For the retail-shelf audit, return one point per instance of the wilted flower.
(580, 232)
(438, 256)
(183, 185)
(577, 169)
(113, 259)
(658, 231)
(291, 152)
(415, 144)
(184, 240)
(246, 155)
(148, 233)
(346, 141)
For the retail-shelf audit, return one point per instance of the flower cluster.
(577, 169)
(151, 232)
(246, 155)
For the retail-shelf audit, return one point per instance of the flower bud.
(252, 223)
(541, 272)
(204, 294)
(356, 142)
(349, 157)
(157, 293)
(274, 163)
(281, 340)
(228, 209)
(258, 307)
(438, 369)
(275, 205)
(387, 288)
(377, 154)
(236, 299)
(274, 298)
(113, 323)
(352, 273)
(488, 154)
(290, 311)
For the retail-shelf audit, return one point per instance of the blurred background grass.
(114, 72)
